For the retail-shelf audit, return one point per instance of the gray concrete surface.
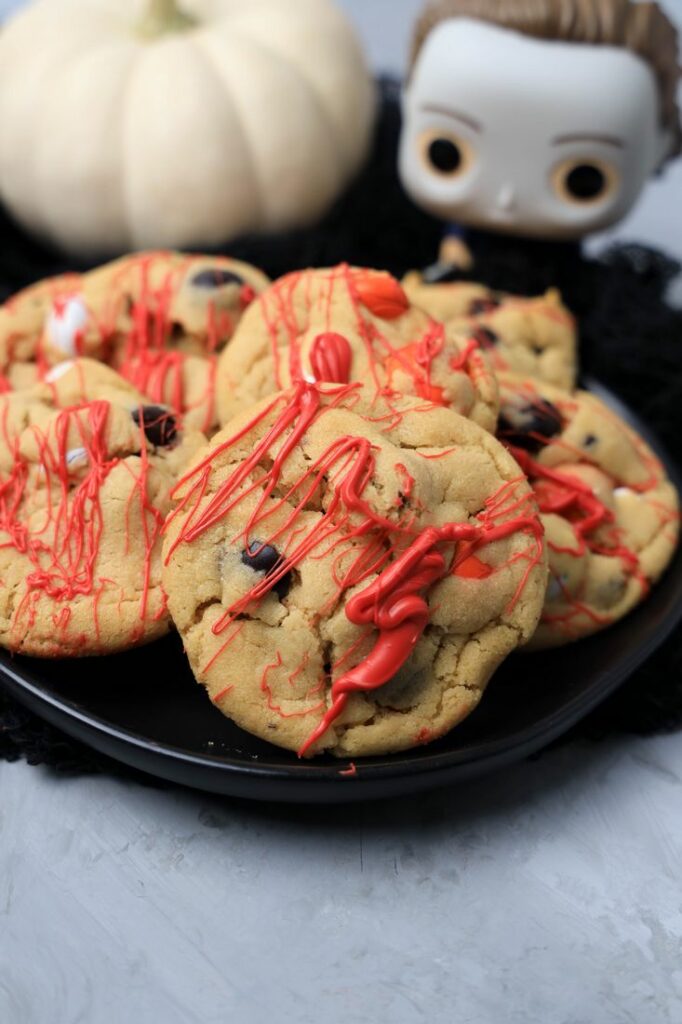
(549, 894)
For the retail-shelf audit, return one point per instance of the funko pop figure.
(539, 118)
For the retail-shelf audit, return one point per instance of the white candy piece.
(65, 322)
(58, 371)
(76, 456)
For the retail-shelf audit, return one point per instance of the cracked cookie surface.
(346, 324)
(159, 318)
(346, 576)
(610, 513)
(84, 490)
(531, 336)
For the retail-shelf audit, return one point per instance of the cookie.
(18, 410)
(185, 383)
(350, 324)
(158, 318)
(19, 376)
(73, 382)
(346, 574)
(449, 300)
(22, 318)
(533, 337)
(609, 511)
(84, 493)
(153, 301)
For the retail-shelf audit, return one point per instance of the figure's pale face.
(524, 136)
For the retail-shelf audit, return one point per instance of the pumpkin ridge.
(93, 52)
(206, 52)
(33, 216)
(324, 119)
(320, 102)
(252, 121)
(126, 104)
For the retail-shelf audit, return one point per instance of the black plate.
(145, 709)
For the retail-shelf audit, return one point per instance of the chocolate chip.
(479, 306)
(267, 559)
(589, 440)
(159, 425)
(485, 337)
(529, 425)
(216, 277)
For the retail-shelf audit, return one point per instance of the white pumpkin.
(128, 124)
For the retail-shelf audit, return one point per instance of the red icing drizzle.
(246, 296)
(406, 483)
(415, 360)
(559, 493)
(143, 350)
(160, 376)
(147, 361)
(366, 291)
(409, 560)
(63, 549)
(394, 604)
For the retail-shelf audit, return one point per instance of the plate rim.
(384, 775)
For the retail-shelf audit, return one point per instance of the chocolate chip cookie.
(346, 573)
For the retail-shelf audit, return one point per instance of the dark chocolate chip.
(485, 337)
(529, 425)
(159, 425)
(589, 440)
(479, 306)
(216, 277)
(266, 558)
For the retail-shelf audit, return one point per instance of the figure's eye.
(582, 182)
(446, 155)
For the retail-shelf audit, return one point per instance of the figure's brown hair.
(642, 28)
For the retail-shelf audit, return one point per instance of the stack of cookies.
(352, 497)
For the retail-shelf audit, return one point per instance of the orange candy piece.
(381, 294)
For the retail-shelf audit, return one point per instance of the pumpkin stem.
(162, 17)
